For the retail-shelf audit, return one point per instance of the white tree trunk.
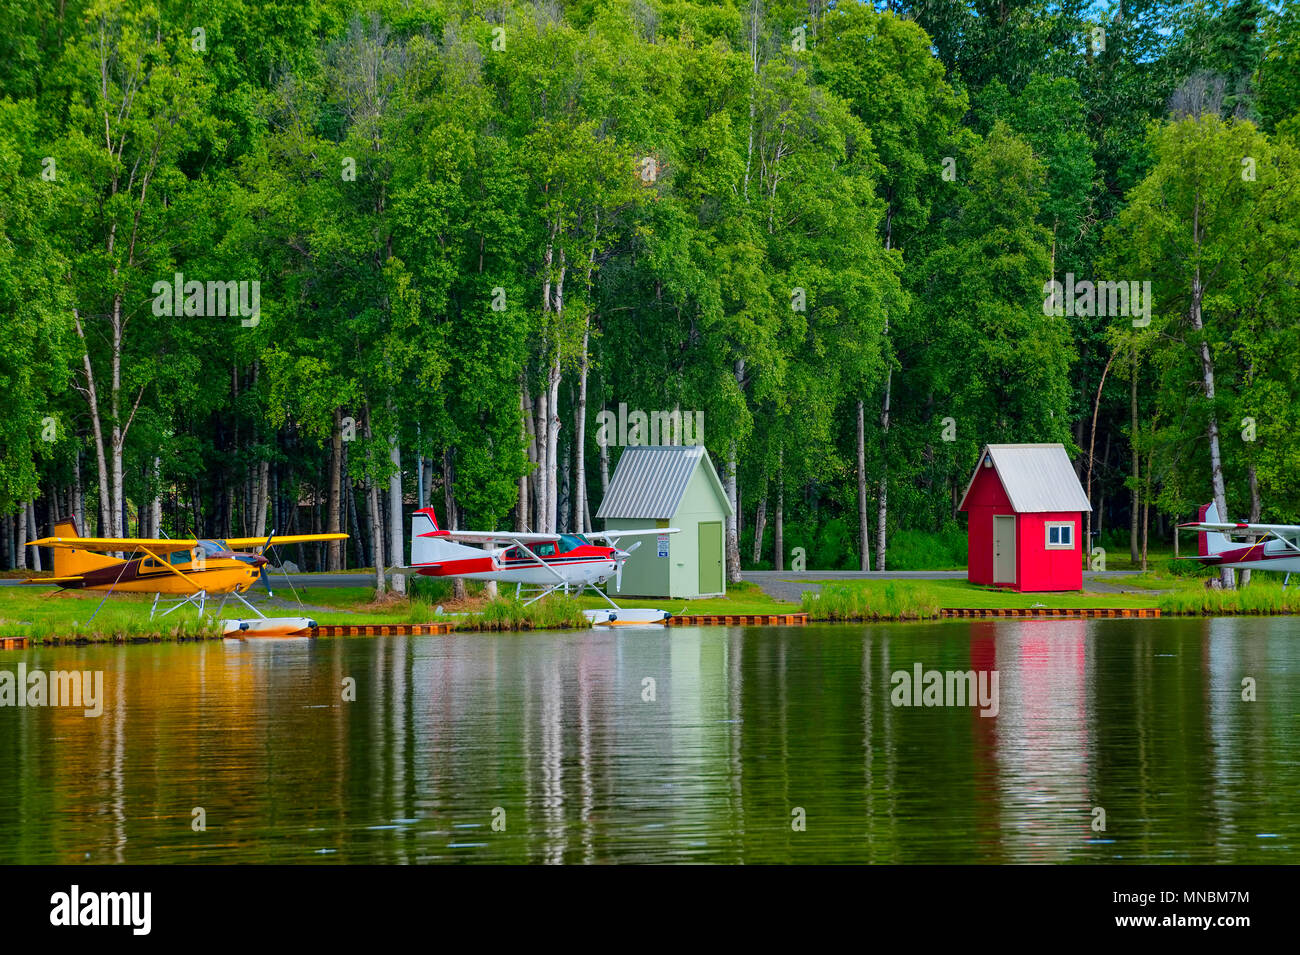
(553, 375)
(115, 409)
(375, 514)
(864, 532)
(778, 531)
(543, 462)
(604, 470)
(525, 428)
(1135, 464)
(155, 509)
(552, 445)
(396, 521)
(78, 501)
(33, 533)
(882, 500)
(733, 523)
(1207, 382)
(580, 441)
(91, 394)
(20, 544)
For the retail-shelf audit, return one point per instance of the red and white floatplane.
(1278, 546)
(548, 562)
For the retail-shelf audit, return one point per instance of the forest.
(306, 265)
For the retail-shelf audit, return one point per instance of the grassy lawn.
(40, 612)
(1170, 594)
(911, 598)
(742, 598)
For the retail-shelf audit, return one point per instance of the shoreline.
(395, 629)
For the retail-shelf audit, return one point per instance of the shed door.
(1004, 549)
(711, 557)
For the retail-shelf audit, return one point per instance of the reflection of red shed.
(1026, 519)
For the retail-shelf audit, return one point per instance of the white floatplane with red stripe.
(1278, 547)
(548, 561)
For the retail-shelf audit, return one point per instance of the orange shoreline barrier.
(383, 630)
(737, 619)
(1068, 613)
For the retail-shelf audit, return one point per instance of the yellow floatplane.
(189, 569)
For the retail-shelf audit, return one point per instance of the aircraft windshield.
(212, 548)
(569, 542)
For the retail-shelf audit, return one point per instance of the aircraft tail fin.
(1210, 543)
(70, 561)
(430, 544)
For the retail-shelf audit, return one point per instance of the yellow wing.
(116, 543)
(238, 543)
(157, 546)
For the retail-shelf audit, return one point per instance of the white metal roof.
(650, 481)
(1036, 477)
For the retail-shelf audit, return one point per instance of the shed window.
(1060, 535)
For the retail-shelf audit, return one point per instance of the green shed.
(656, 486)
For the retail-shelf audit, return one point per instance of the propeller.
(620, 558)
(266, 580)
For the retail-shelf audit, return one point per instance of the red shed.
(1025, 508)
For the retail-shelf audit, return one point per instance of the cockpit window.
(570, 542)
(212, 548)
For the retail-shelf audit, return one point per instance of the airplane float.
(547, 561)
(1277, 549)
(186, 568)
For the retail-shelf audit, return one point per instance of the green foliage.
(928, 550)
(35, 330)
(897, 600)
(1258, 597)
(552, 612)
(451, 208)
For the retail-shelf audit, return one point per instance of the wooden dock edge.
(738, 619)
(383, 630)
(1064, 613)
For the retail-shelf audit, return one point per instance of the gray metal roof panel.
(649, 482)
(1036, 477)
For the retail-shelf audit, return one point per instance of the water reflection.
(688, 744)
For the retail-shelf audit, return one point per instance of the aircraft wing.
(117, 543)
(1280, 530)
(510, 537)
(237, 543)
(641, 532)
(492, 537)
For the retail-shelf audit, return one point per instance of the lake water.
(751, 745)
